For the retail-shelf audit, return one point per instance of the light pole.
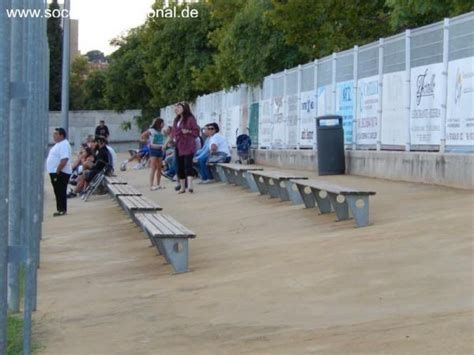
(66, 66)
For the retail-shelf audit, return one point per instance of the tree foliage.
(55, 37)
(322, 27)
(415, 13)
(78, 76)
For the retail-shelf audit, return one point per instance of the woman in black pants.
(185, 131)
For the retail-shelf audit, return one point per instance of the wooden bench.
(169, 237)
(237, 174)
(277, 184)
(342, 199)
(137, 204)
(113, 180)
(122, 190)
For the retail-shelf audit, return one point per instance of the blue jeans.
(203, 169)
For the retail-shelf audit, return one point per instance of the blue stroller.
(243, 149)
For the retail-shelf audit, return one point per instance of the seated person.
(102, 160)
(201, 157)
(113, 156)
(218, 146)
(84, 160)
(138, 155)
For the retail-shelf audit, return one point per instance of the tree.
(175, 49)
(126, 87)
(55, 37)
(322, 27)
(79, 72)
(254, 47)
(95, 90)
(96, 56)
(415, 13)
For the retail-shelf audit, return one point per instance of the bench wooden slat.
(239, 167)
(118, 190)
(182, 228)
(277, 175)
(114, 180)
(164, 226)
(135, 203)
(337, 189)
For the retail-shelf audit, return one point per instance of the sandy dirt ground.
(266, 277)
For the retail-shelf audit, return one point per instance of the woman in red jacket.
(185, 131)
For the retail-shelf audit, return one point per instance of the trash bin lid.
(329, 121)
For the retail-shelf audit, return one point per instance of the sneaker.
(177, 187)
(59, 213)
(202, 182)
(71, 195)
(154, 188)
(137, 167)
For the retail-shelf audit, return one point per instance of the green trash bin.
(330, 143)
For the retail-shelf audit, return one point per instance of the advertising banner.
(235, 125)
(393, 114)
(253, 123)
(325, 100)
(278, 124)
(367, 105)
(265, 124)
(426, 101)
(292, 121)
(460, 115)
(307, 134)
(345, 106)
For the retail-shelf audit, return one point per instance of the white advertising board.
(460, 115)
(234, 125)
(325, 100)
(292, 121)
(367, 106)
(265, 124)
(278, 124)
(345, 107)
(393, 114)
(307, 107)
(426, 101)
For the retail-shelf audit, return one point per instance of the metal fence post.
(316, 101)
(65, 73)
(444, 85)
(5, 24)
(29, 132)
(272, 81)
(380, 108)
(298, 113)
(17, 111)
(333, 81)
(355, 111)
(408, 89)
(285, 109)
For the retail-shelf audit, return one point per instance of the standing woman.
(155, 139)
(185, 131)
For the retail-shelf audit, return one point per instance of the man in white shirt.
(58, 165)
(218, 146)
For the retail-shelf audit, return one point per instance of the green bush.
(14, 335)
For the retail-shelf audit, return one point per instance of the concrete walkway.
(266, 277)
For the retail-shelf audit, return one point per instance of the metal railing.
(24, 86)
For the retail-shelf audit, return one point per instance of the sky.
(102, 20)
